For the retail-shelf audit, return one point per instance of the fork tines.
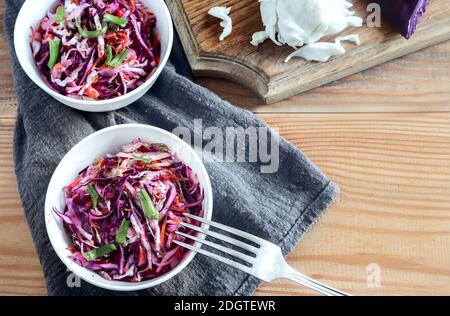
(250, 260)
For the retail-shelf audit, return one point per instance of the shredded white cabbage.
(304, 22)
(323, 51)
(258, 38)
(223, 14)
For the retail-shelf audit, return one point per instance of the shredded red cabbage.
(115, 230)
(96, 49)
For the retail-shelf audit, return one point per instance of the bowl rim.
(116, 285)
(90, 103)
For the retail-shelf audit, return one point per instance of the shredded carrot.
(163, 232)
(141, 259)
(95, 225)
(121, 41)
(58, 67)
(176, 220)
(177, 201)
(49, 36)
(91, 92)
(74, 184)
(100, 162)
(170, 177)
(132, 5)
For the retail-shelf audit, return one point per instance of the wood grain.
(393, 169)
(7, 95)
(394, 211)
(394, 173)
(262, 69)
(417, 82)
(20, 272)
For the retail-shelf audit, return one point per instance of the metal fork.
(267, 263)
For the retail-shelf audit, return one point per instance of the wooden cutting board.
(262, 69)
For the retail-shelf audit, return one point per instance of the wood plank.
(7, 92)
(394, 210)
(20, 271)
(393, 170)
(262, 69)
(419, 82)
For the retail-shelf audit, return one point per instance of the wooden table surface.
(383, 135)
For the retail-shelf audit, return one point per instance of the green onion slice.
(143, 159)
(123, 231)
(115, 20)
(147, 205)
(54, 45)
(94, 195)
(109, 54)
(99, 252)
(60, 13)
(92, 34)
(118, 60)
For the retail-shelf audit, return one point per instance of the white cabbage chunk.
(300, 22)
(223, 14)
(269, 19)
(323, 51)
(259, 38)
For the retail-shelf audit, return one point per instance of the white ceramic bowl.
(33, 11)
(110, 140)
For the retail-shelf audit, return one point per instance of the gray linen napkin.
(278, 206)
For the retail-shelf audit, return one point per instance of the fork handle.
(294, 275)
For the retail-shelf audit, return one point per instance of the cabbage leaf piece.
(226, 23)
(299, 22)
(323, 51)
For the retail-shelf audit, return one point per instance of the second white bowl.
(105, 141)
(33, 11)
